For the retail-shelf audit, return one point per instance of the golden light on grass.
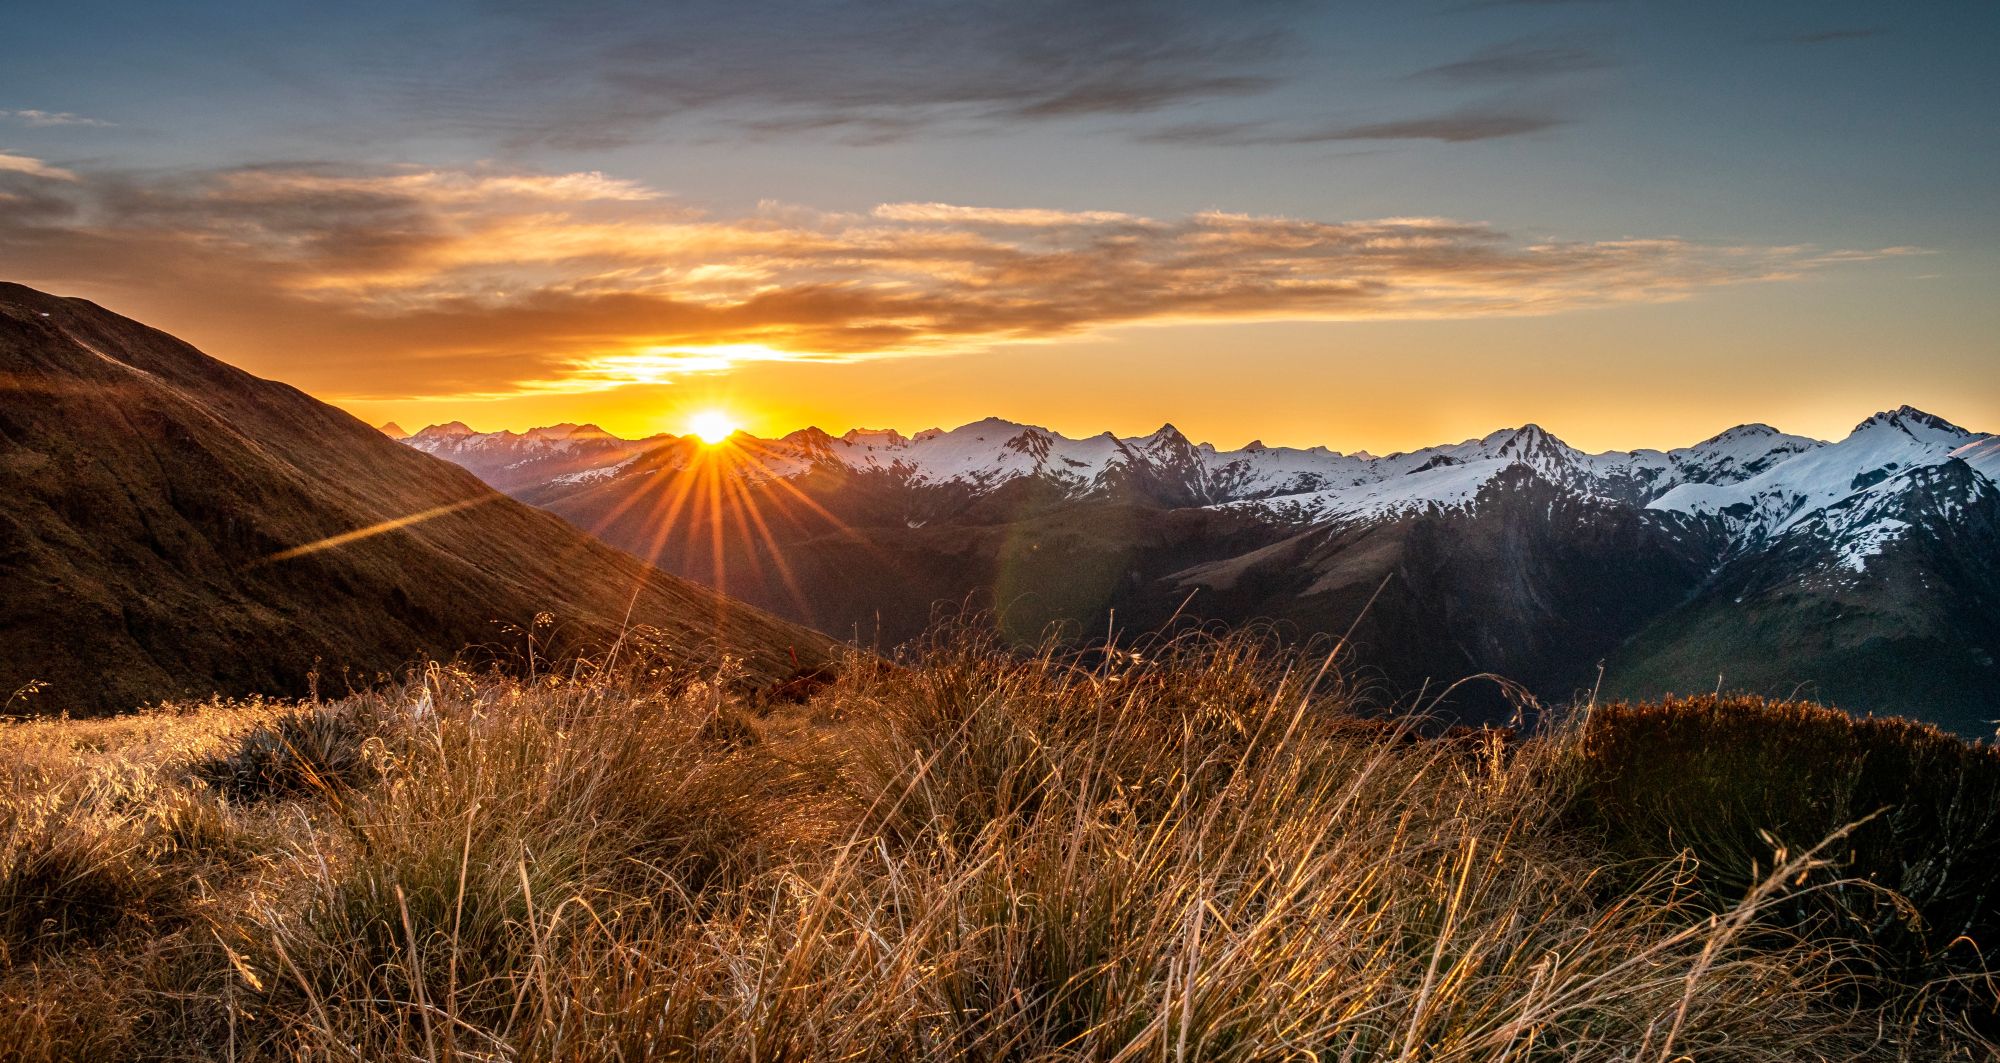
(712, 426)
(1210, 851)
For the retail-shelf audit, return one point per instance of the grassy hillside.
(1198, 852)
(170, 524)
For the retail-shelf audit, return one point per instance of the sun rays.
(705, 506)
(716, 504)
(358, 534)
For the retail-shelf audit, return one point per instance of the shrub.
(1728, 779)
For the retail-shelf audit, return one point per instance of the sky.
(1373, 226)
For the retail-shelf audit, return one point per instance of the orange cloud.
(951, 213)
(435, 282)
(33, 167)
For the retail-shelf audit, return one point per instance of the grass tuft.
(309, 750)
(70, 879)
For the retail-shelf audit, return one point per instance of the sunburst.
(712, 426)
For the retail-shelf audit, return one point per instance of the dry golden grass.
(1200, 854)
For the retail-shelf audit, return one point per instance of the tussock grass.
(1198, 852)
(309, 750)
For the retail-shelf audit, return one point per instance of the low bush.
(1731, 780)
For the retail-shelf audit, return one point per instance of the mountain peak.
(1034, 442)
(392, 430)
(566, 430)
(1753, 430)
(810, 435)
(1526, 442)
(1914, 422)
(991, 424)
(448, 430)
(884, 436)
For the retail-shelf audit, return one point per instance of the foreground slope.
(165, 523)
(1202, 854)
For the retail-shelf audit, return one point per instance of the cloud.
(45, 119)
(458, 282)
(1521, 105)
(609, 72)
(1518, 62)
(1454, 127)
(436, 187)
(1830, 36)
(947, 212)
(33, 167)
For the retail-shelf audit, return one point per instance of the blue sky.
(1780, 211)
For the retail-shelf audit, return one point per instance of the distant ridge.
(172, 526)
(1863, 571)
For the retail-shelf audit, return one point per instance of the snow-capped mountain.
(514, 461)
(1841, 491)
(1164, 467)
(1510, 552)
(1753, 482)
(1868, 570)
(1982, 455)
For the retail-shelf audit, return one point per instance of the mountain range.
(171, 526)
(1860, 571)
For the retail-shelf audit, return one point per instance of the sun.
(712, 426)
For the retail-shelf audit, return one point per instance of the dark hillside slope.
(1534, 584)
(153, 506)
